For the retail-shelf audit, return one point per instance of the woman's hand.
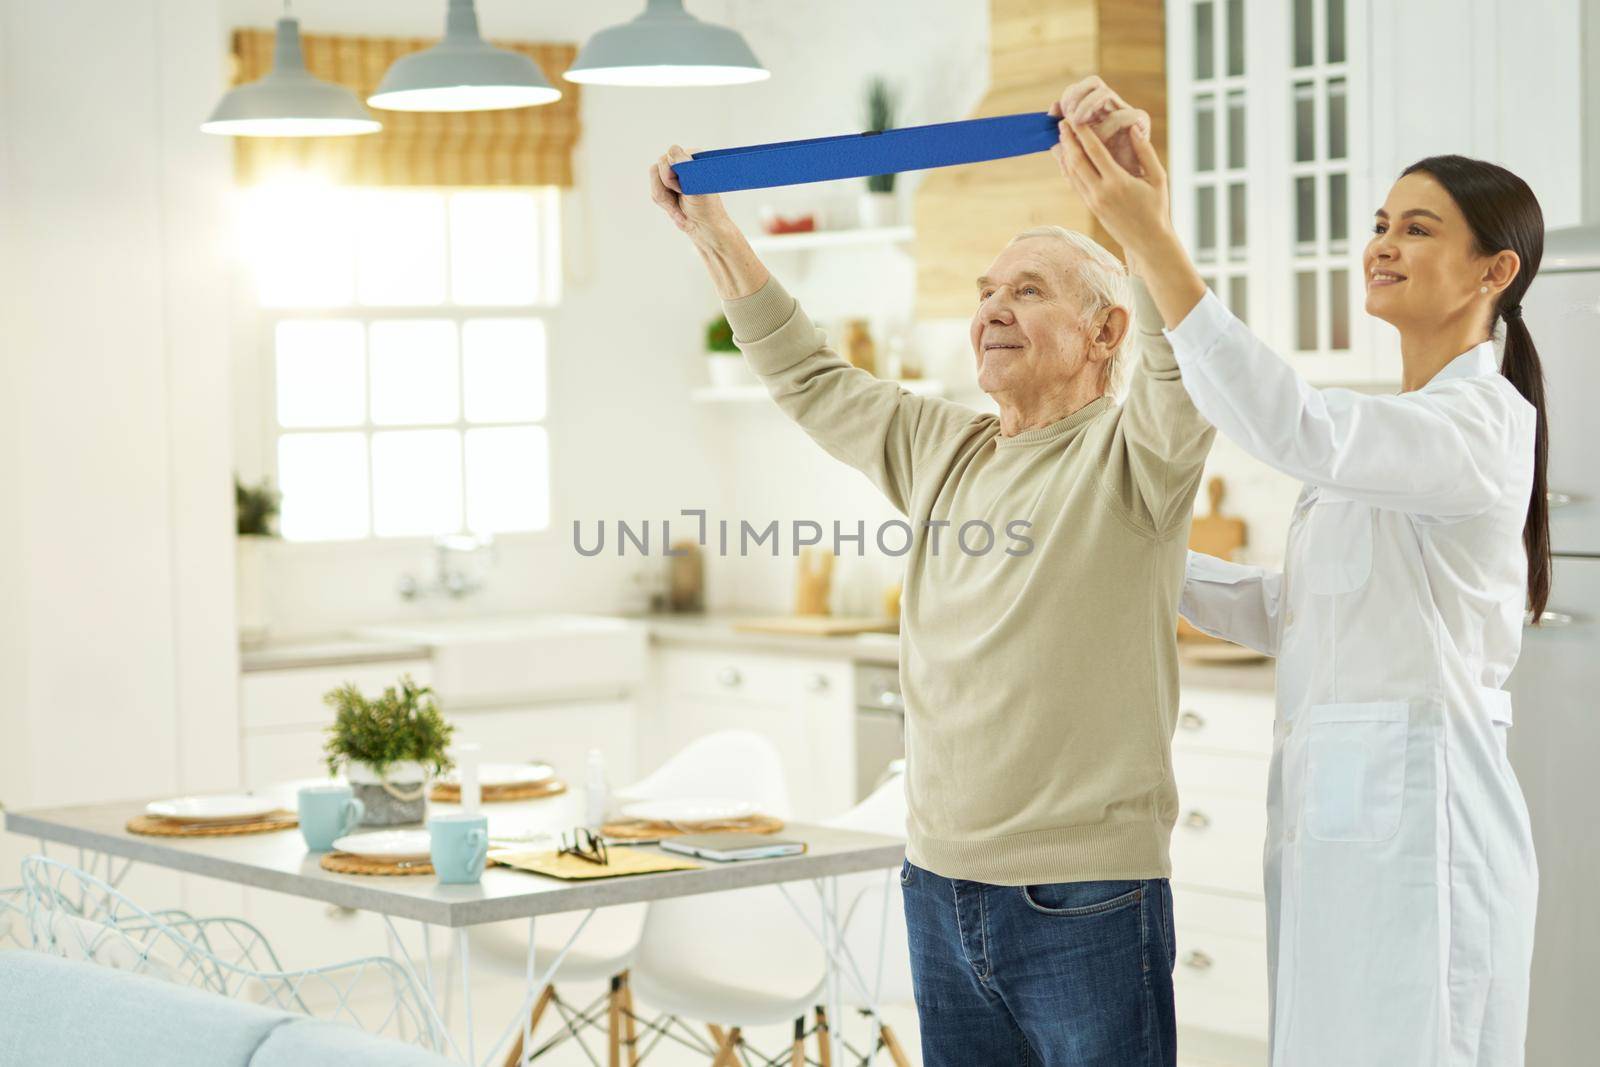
(1131, 206)
(1095, 103)
(701, 217)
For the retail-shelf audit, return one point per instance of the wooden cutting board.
(819, 625)
(1216, 535)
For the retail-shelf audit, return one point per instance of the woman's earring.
(1483, 288)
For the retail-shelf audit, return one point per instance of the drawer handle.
(818, 683)
(729, 676)
(889, 698)
(1197, 960)
(1197, 820)
(1192, 720)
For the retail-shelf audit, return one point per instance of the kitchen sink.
(516, 659)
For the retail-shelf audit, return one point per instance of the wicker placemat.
(450, 792)
(154, 827)
(345, 863)
(644, 829)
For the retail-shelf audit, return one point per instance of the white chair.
(875, 920)
(736, 959)
(77, 916)
(13, 919)
(733, 764)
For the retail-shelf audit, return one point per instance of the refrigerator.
(1554, 745)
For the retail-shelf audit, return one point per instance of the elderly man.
(1040, 679)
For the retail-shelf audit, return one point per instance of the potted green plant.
(724, 361)
(877, 205)
(255, 517)
(388, 747)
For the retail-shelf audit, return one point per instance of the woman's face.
(1422, 265)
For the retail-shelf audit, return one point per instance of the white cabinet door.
(803, 705)
(283, 756)
(1221, 978)
(293, 697)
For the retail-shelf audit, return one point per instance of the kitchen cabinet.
(803, 705)
(282, 714)
(1220, 755)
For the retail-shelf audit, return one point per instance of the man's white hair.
(1105, 284)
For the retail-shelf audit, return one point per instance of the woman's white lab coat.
(1400, 875)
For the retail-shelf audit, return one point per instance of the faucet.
(448, 581)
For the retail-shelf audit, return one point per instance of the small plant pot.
(875, 210)
(729, 369)
(395, 798)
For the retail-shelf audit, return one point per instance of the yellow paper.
(619, 861)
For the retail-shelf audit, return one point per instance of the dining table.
(280, 862)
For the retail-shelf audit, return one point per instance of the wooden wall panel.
(1036, 48)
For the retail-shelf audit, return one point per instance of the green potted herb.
(388, 747)
(877, 206)
(255, 519)
(724, 361)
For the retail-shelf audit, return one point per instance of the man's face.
(1029, 334)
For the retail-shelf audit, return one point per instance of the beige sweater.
(1040, 688)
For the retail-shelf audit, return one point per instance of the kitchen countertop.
(333, 651)
(716, 629)
(707, 630)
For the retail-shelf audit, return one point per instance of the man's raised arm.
(871, 424)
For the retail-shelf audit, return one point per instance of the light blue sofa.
(59, 1012)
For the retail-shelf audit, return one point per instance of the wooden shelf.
(799, 242)
(725, 394)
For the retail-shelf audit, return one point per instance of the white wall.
(115, 508)
(626, 442)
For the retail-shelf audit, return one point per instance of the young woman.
(1400, 875)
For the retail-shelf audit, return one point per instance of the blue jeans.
(1072, 974)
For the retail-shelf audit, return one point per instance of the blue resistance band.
(860, 155)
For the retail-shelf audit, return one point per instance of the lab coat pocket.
(1338, 546)
(1498, 703)
(1356, 770)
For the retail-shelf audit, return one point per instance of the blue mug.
(459, 846)
(327, 813)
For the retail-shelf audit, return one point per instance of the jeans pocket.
(1079, 899)
(1356, 770)
(905, 872)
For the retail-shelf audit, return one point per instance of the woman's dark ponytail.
(1520, 364)
(1504, 214)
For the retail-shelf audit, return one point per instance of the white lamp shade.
(463, 72)
(666, 46)
(289, 102)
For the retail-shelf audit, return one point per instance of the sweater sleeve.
(1161, 438)
(870, 424)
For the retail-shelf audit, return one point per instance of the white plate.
(692, 809)
(504, 774)
(232, 808)
(386, 844)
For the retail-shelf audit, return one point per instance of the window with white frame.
(1218, 161)
(1262, 101)
(1319, 85)
(406, 345)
